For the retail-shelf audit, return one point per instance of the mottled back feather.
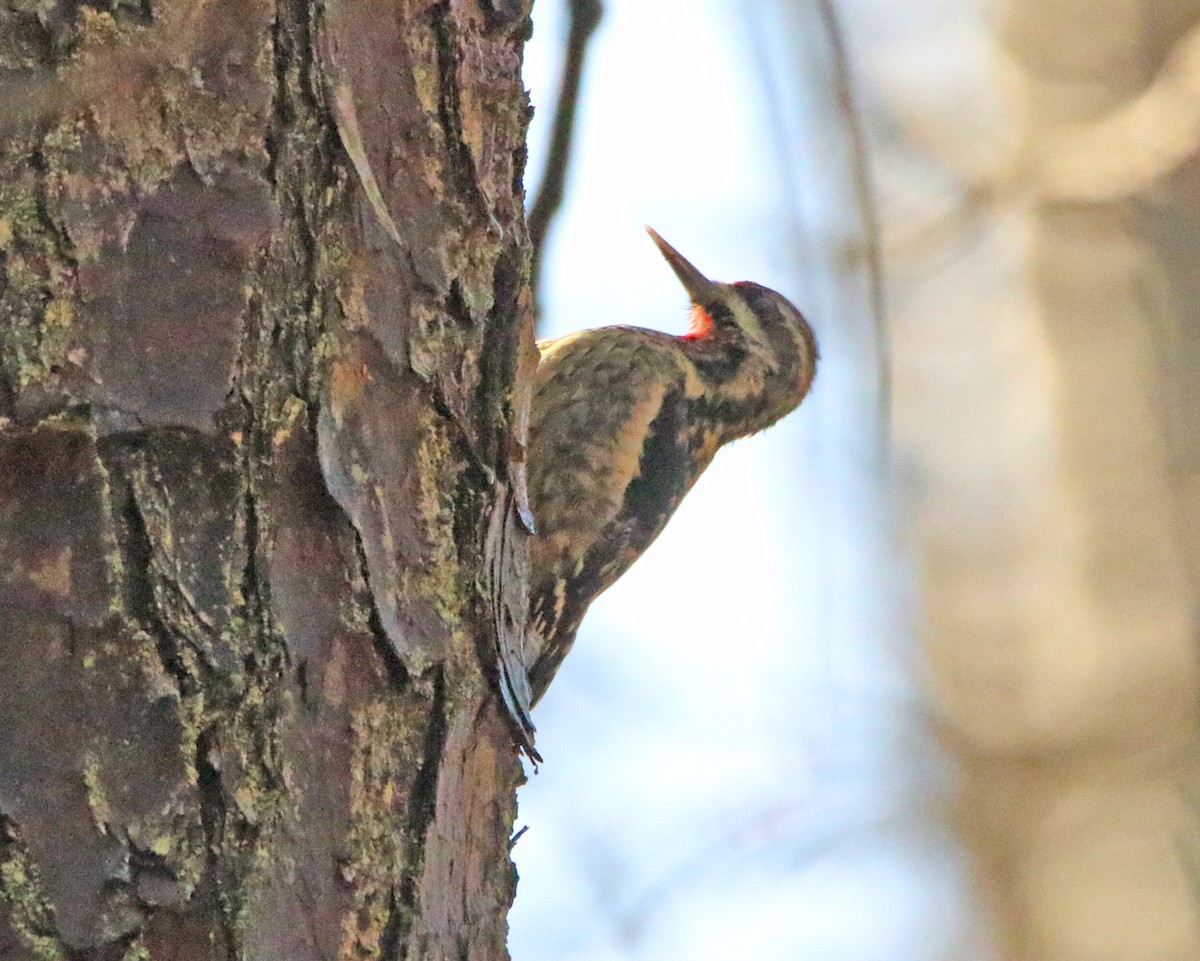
(622, 444)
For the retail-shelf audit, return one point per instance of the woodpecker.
(624, 420)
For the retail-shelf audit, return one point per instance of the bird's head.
(753, 347)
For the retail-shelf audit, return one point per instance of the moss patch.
(442, 579)
(21, 889)
(387, 753)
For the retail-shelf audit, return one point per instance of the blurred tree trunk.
(1075, 808)
(1052, 398)
(262, 307)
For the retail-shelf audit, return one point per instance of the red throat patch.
(700, 322)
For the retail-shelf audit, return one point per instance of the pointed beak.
(695, 283)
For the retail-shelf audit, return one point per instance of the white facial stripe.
(745, 319)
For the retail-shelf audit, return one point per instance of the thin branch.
(585, 16)
(868, 207)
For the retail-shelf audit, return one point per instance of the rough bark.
(257, 412)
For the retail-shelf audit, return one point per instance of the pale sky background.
(736, 756)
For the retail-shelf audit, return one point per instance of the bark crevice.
(140, 603)
(212, 820)
(422, 810)
(397, 672)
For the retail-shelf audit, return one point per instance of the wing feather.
(595, 396)
(608, 463)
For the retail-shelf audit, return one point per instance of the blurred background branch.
(583, 19)
(842, 80)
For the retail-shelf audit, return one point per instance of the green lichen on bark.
(442, 579)
(387, 749)
(36, 298)
(97, 797)
(152, 106)
(137, 951)
(21, 889)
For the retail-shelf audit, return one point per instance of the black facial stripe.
(780, 329)
(722, 366)
(782, 338)
(723, 360)
(722, 317)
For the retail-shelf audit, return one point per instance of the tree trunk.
(263, 310)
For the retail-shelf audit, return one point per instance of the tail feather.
(508, 572)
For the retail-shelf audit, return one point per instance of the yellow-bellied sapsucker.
(624, 420)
